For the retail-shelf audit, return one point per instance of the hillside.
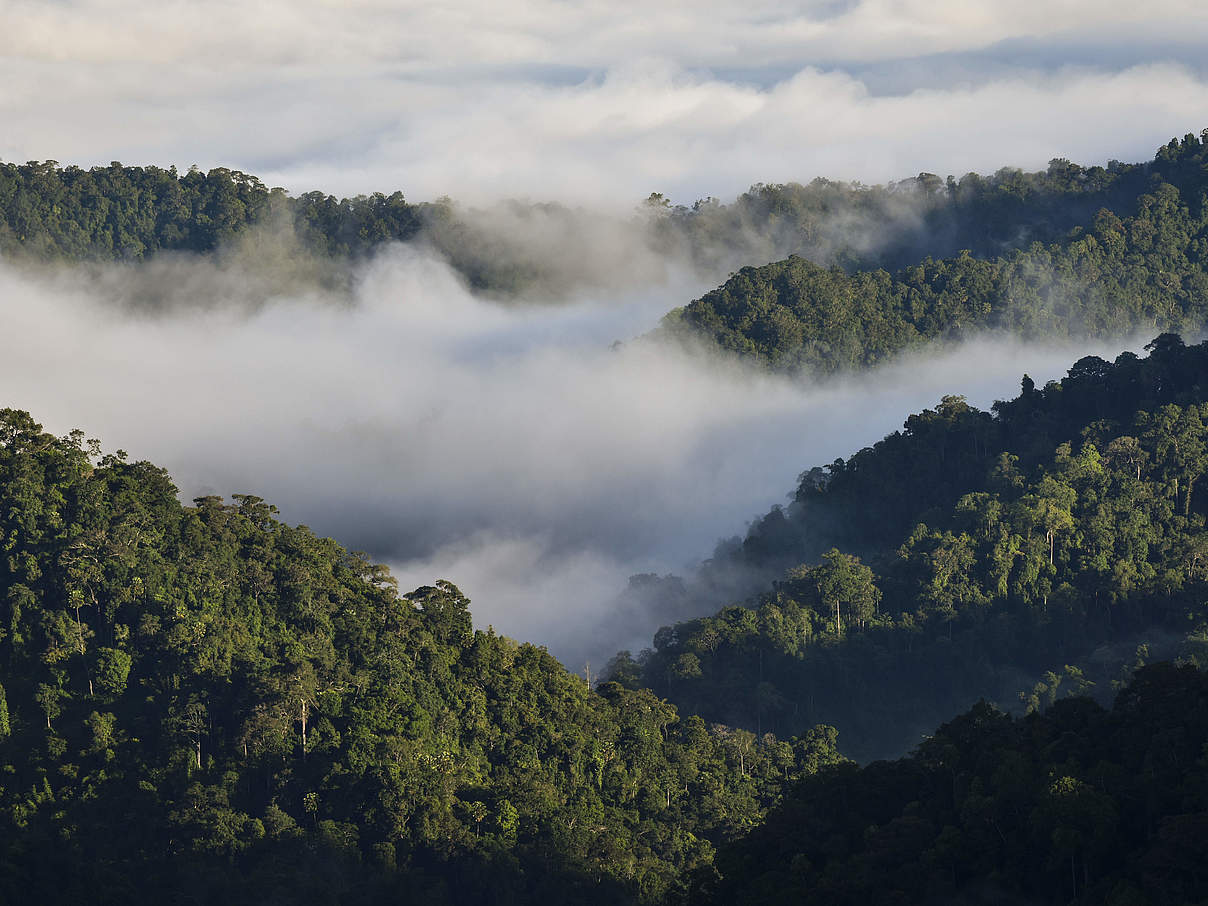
(1078, 805)
(204, 699)
(1138, 265)
(202, 703)
(1045, 548)
(52, 213)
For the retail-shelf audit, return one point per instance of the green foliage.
(1107, 276)
(112, 670)
(861, 227)
(988, 567)
(130, 213)
(839, 586)
(207, 703)
(1073, 805)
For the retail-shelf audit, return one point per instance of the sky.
(597, 101)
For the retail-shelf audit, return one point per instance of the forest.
(1079, 804)
(1044, 549)
(1138, 265)
(204, 699)
(896, 253)
(963, 664)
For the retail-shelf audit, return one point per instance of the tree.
(843, 582)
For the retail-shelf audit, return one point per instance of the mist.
(515, 449)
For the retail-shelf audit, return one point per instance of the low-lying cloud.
(510, 449)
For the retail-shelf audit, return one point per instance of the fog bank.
(511, 449)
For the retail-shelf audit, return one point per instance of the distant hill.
(1140, 263)
(131, 213)
(1046, 548)
(202, 704)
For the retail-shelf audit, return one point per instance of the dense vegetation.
(201, 704)
(1145, 268)
(130, 213)
(1045, 548)
(1076, 805)
(860, 227)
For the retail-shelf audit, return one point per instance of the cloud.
(506, 448)
(415, 36)
(592, 101)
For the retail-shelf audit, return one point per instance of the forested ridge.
(1139, 265)
(1046, 548)
(129, 213)
(1076, 805)
(132, 212)
(861, 227)
(202, 704)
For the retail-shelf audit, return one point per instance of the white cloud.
(594, 34)
(593, 100)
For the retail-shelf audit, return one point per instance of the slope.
(203, 703)
(1045, 548)
(1140, 268)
